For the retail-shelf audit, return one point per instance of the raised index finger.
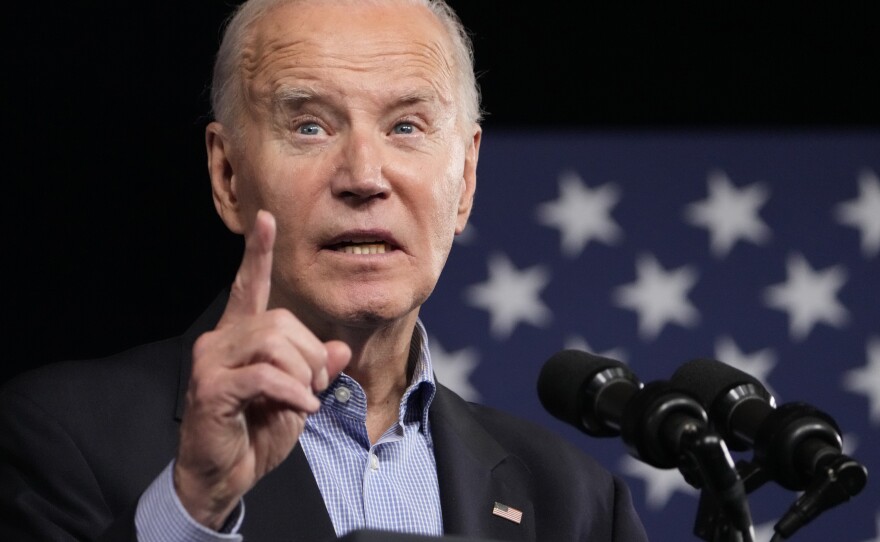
(250, 291)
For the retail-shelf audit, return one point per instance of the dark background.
(113, 239)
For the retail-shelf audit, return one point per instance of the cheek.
(450, 166)
(287, 186)
(445, 195)
(448, 192)
(446, 198)
(281, 189)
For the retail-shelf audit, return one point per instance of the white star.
(866, 380)
(758, 364)
(658, 296)
(511, 296)
(808, 296)
(581, 214)
(576, 342)
(453, 369)
(864, 212)
(660, 484)
(730, 214)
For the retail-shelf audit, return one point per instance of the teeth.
(366, 248)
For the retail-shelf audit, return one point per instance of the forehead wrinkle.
(307, 56)
(277, 56)
(297, 49)
(428, 60)
(258, 57)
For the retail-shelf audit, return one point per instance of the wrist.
(209, 504)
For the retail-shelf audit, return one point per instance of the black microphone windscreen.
(563, 377)
(708, 380)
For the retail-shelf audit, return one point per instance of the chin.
(371, 314)
(356, 304)
(374, 310)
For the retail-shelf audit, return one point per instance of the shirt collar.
(417, 398)
(416, 401)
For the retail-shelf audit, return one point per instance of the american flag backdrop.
(759, 249)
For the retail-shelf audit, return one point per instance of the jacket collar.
(475, 471)
(204, 323)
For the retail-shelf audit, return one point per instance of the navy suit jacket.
(80, 441)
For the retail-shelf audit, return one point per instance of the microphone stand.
(836, 481)
(666, 429)
(723, 513)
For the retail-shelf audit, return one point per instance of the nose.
(359, 175)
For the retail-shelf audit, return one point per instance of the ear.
(466, 201)
(224, 185)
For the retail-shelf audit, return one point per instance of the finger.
(304, 353)
(338, 356)
(250, 290)
(269, 346)
(267, 381)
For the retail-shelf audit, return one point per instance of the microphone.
(792, 442)
(603, 398)
(796, 444)
(662, 426)
(587, 391)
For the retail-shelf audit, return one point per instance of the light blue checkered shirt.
(389, 485)
(392, 484)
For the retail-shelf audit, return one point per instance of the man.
(345, 150)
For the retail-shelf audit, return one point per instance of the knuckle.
(263, 376)
(272, 343)
(303, 372)
(281, 318)
(202, 344)
(317, 353)
(202, 387)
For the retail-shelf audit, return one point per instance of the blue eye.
(309, 128)
(405, 128)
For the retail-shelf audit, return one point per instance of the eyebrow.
(287, 97)
(419, 96)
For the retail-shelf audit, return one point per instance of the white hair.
(227, 92)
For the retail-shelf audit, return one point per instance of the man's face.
(353, 138)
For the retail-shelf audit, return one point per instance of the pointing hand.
(253, 384)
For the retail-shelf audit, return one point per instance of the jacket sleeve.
(47, 488)
(627, 525)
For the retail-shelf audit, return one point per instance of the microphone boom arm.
(723, 501)
(666, 429)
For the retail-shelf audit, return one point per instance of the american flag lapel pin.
(507, 512)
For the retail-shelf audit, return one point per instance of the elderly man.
(302, 405)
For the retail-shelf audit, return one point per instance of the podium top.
(367, 535)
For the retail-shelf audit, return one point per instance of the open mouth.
(366, 247)
(363, 242)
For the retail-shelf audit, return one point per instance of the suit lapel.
(474, 472)
(287, 505)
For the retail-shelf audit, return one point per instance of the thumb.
(338, 356)
(250, 291)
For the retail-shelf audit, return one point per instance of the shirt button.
(374, 462)
(342, 394)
